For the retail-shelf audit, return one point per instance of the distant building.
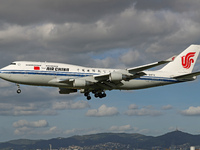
(192, 148)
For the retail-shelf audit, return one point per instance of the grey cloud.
(24, 127)
(74, 131)
(130, 57)
(123, 128)
(70, 105)
(27, 127)
(132, 106)
(102, 111)
(167, 107)
(173, 5)
(34, 124)
(191, 111)
(53, 130)
(145, 111)
(24, 110)
(60, 11)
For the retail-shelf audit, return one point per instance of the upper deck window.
(12, 63)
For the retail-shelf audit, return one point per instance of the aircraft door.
(43, 66)
(42, 72)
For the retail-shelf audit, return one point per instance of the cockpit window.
(13, 63)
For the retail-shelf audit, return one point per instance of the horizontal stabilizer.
(189, 76)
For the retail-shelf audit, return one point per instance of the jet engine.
(116, 76)
(81, 83)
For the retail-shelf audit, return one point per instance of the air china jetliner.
(71, 78)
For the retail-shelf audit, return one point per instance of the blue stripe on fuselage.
(78, 74)
(164, 79)
(50, 73)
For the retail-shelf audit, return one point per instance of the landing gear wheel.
(86, 94)
(100, 95)
(88, 97)
(18, 91)
(96, 95)
(104, 94)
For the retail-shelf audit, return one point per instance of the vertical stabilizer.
(184, 62)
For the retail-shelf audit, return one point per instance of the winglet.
(171, 58)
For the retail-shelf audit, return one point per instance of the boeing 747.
(71, 78)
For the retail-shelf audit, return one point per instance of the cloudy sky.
(97, 33)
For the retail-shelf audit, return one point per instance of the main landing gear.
(100, 94)
(18, 90)
(87, 94)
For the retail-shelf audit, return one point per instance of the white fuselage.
(45, 73)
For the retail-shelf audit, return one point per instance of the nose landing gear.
(18, 90)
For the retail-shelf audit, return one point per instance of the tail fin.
(184, 62)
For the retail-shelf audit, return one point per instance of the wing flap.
(102, 77)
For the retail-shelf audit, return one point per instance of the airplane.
(71, 78)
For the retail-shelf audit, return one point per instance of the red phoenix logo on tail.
(187, 60)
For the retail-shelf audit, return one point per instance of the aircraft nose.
(3, 75)
(0, 73)
(0, 70)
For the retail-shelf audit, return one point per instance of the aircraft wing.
(110, 80)
(151, 65)
(131, 73)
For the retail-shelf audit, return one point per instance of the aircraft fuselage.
(44, 74)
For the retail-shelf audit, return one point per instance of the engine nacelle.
(116, 76)
(80, 83)
(67, 91)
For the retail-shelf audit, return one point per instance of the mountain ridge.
(134, 140)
